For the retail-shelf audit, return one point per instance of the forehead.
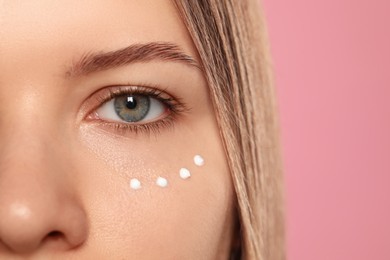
(56, 29)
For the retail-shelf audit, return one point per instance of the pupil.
(131, 103)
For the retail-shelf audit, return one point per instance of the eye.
(132, 108)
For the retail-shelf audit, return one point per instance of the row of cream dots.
(184, 173)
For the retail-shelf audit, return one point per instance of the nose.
(39, 208)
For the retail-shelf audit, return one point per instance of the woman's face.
(97, 103)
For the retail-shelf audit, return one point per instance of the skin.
(64, 180)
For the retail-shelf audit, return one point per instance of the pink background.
(332, 66)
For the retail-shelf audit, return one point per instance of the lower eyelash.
(147, 128)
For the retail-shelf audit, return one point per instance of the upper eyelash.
(174, 104)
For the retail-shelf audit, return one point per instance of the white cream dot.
(184, 173)
(135, 184)
(198, 160)
(162, 182)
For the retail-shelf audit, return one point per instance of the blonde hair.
(230, 37)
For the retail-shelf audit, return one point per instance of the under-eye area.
(184, 174)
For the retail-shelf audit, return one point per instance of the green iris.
(132, 108)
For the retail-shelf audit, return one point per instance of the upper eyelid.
(137, 90)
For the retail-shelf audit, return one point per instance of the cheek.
(187, 217)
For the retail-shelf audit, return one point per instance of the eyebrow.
(100, 61)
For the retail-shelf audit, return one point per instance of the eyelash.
(175, 108)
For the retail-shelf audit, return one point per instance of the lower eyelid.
(125, 129)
